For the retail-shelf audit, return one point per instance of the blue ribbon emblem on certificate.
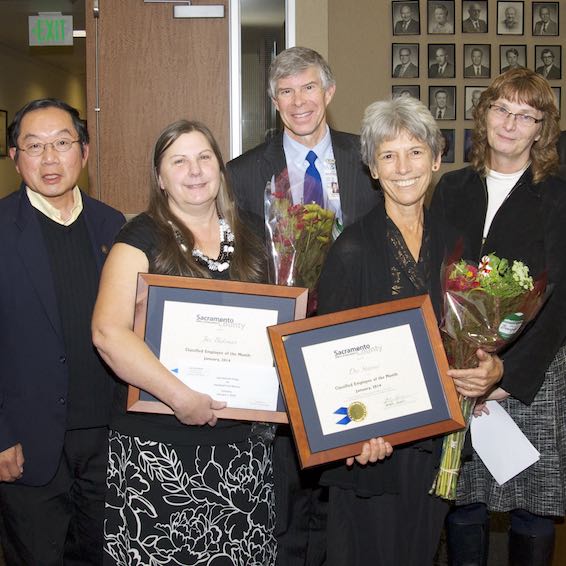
(356, 412)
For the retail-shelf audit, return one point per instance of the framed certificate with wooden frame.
(357, 374)
(212, 335)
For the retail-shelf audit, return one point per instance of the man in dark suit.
(406, 69)
(301, 86)
(545, 26)
(548, 69)
(473, 24)
(512, 56)
(442, 68)
(55, 393)
(476, 69)
(407, 25)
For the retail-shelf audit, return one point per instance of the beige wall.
(312, 25)
(359, 52)
(33, 80)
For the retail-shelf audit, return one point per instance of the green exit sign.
(50, 29)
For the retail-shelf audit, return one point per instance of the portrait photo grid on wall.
(477, 61)
(405, 61)
(546, 18)
(471, 99)
(441, 61)
(512, 57)
(406, 18)
(548, 61)
(440, 17)
(442, 102)
(510, 18)
(406, 90)
(474, 62)
(474, 17)
(448, 140)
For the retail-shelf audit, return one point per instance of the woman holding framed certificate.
(187, 488)
(380, 506)
(511, 199)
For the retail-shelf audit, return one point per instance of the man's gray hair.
(384, 120)
(296, 60)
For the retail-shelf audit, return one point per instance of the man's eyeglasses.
(523, 119)
(36, 149)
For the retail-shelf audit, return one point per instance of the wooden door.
(148, 70)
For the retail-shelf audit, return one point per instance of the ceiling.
(14, 32)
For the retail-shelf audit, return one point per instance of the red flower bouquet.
(484, 307)
(299, 237)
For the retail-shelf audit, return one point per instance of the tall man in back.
(55, 393)
(301, 86)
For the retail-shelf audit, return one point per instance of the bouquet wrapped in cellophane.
(484, 307)
(299, 236)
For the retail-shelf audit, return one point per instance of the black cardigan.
(529, 226)
(357, 273)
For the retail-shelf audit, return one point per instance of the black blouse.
(368, 264)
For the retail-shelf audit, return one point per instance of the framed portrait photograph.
(474, 17)
(3, 133)
(212, 335)
(405, 61)
(372, 371)
(406, 90)
(477, 61)
(440, 16)
(448, 137)
(406, 18)
(548, 61)
(557, 91)
(546, 18)
(471, 99)
(467, 144)
(442, 102)
(441, 61)
(510, 18)
(512, 57)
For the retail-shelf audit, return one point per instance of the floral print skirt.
(189, 505)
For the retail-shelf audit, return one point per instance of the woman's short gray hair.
(296, 60)
(384, 120)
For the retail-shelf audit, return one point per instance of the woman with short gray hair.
(379, 505)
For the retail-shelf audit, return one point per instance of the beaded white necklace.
(222, 262)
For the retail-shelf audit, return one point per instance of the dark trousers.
(61, 522)
(300, 506)
(522, 521)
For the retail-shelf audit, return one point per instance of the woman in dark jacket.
(509, 202)
(380, 511)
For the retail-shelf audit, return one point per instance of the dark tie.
(312, 191)
(439, 115)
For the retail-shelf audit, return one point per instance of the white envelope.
(501, 444)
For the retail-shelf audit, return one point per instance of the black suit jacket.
(469, 72)
(529, 226)
(412, 28)
(251, 172)
(448, 71)
(411, 72)
(468, 26)
(553, 74)
(33, 370)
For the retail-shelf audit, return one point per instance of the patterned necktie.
(312, 191)
(439, 115)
